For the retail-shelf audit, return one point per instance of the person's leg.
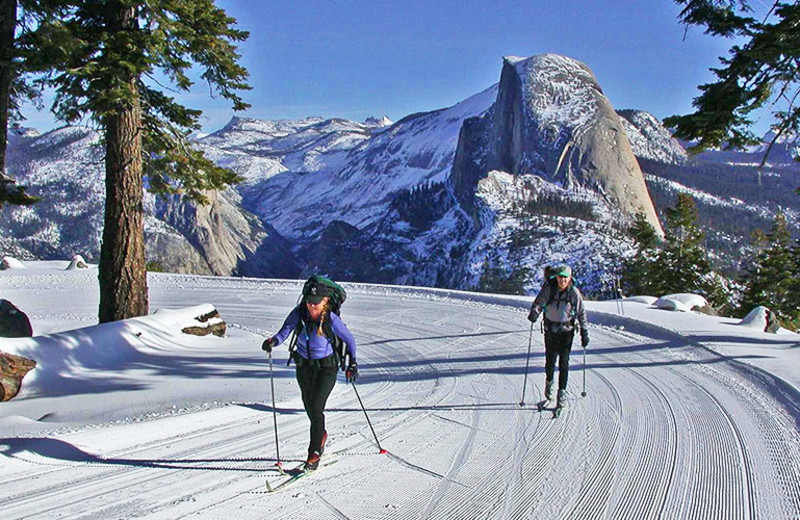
(323, 385)
(550, 355)
(305, 379)
(564, 349)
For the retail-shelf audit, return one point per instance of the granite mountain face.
(536, 169)
(552, 120)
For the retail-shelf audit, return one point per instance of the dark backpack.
(337, 296)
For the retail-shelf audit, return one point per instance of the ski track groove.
(235, 443)
(659, 478)
(594, 492)
(116, 476)
(766, 427)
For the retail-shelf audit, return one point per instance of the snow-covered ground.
(686, 415)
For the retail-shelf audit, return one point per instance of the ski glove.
(533, 316)
(351, 374)
(584, 338)
(267, 345)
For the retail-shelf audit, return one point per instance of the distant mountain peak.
(382, 121)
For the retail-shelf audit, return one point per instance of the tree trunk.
(123, 274)
(8, 22)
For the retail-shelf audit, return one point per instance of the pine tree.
(683, 261)
(106, 60)
(772, 279)
(12, 88)
(794, 285)
(641, 270)
(763, 70)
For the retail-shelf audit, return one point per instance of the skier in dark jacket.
(315, 359)
(562, 304)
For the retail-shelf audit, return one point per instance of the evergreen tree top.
(102, 57)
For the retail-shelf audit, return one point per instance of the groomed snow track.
(668, 429)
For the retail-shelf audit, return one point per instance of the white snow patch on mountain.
(561, 92)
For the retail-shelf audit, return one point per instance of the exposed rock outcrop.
(210, 323)
(12, 370)
(218, 238)
(13, 322)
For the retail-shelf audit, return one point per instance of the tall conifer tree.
(12, 87)
(683, 260)
(641, 270)
(772, 279)
(106, 61)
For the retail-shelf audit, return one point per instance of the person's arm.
(289, 325)
(538, 303)
(580, 309)
(580, 315)
(341, 330)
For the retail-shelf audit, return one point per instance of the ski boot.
(561, 400)
(322, 444)
(548, 390)
(312, 463)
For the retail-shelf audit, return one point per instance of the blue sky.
(355, 59)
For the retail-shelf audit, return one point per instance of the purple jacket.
(311, 344)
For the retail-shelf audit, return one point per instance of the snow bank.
(647, 300)
(672, 305)
(67, 357)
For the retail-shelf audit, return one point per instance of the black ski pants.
(557, 345)
(316, 379)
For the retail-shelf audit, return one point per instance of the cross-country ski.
(294, 474)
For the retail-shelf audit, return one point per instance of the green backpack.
(337, 293)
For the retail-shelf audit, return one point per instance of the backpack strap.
(554, 297)
(336, 342)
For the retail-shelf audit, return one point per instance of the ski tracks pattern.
(668, 430)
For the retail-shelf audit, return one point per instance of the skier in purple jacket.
(318, 329)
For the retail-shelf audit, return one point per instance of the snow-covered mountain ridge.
(535, 169)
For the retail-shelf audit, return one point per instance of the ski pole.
(583, 394)
(274, 416)
(382, 451)
(527, 364)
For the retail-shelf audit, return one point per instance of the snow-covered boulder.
(679, 300)
(756, 319)
(10, 262)
(671, 304)
(761, 318)
(77, 263)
